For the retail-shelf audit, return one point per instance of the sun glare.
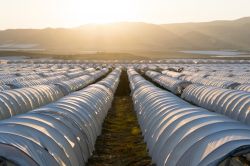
(101, 11)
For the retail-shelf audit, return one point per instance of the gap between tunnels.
(121, 142)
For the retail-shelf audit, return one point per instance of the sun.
(101, 11)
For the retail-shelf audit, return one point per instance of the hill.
(233, 34)
(132, 36)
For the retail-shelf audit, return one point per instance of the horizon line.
(117, 22)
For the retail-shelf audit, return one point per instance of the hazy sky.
(70, 13)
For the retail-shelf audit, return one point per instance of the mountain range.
(133, 36)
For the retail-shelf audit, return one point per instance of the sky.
(73, 13)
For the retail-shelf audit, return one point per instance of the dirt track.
(121, 142)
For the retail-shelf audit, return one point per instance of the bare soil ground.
(121, 142)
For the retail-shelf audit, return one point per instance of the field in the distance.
(128, 55)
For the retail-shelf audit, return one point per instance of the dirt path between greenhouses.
(121, 143)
